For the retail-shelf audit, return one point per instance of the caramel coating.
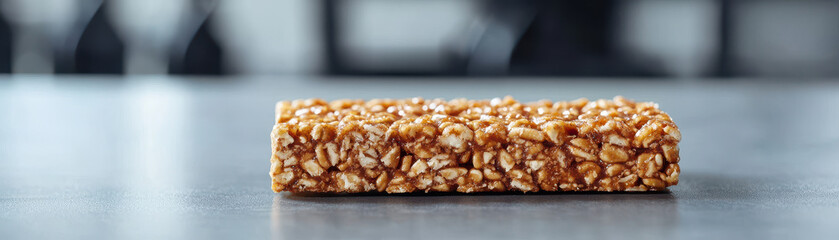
(409, 145)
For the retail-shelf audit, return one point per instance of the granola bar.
(412, 145)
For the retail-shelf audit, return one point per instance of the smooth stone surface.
(158, 157)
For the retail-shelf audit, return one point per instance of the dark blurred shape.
(98, 49)
(5, 45)
(724, 36)
(571, 38)
(198, 52)
(332, 64)
(507, 22)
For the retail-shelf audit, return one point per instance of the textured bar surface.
(412, 145)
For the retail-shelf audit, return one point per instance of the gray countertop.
(156, 157)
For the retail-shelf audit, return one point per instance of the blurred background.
(645, 38)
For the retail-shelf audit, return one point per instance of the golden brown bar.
(413, 145)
